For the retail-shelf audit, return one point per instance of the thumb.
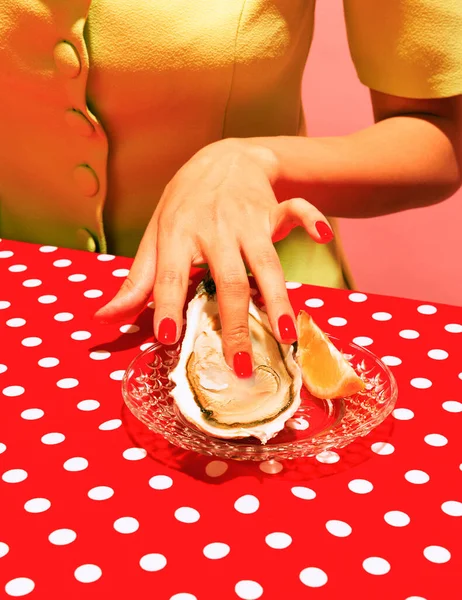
(137, 287)
(298, 212)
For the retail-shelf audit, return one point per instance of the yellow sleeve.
(409, 48)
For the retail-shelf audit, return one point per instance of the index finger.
(233, 295)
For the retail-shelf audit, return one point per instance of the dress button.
(86, 180)
(67, 59)
(86, 240)
(79, 122)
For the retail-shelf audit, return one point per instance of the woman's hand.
(219, 209)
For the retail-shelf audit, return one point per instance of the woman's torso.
(107, 99)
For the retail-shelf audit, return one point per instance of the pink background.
(414, 254)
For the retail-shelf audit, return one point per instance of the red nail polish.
(167, 331)
(287, 329)
(324, 231)
(243, 365)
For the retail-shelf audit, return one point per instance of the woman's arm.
(411, 157)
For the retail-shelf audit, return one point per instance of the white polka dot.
(4, 549)
(14, 476)
(382, 448)
(293, 285)
(87, 573)
(62, 262)
(2, 448)
(48, 362)
(152, 305)
(278, 540)
(338, 528)
(13, 391)
(77, 463)
(313, 577)
(3, 368)
(153, 562)
(21, 586)
(32, 414)
(88, 405)
(452, 406)
(391, 361)
(63, 317)
(77, 277)
(363, 341)
(37, 505)
(51, 439)
(453, 328)
(314, 302)
(303, 492)
(403, 414)
(438, 354)
(101, 492)
(31, 342)
(129, 328)
(48, 299)
(460, 375)
(452, 508)
(247, 504)
(100, 355)
(409, 334)
(247, 589)
(117, 375)
(357, 297)
(216, 550)
(415, 598)
(126, 525)
(337, 321)
(134, 453)
(17, 268)
(120, 272)
(376, 565)
(421, 383)
(93, 294)
(185, 514)
(144, 347)
(183, 596)
(4, 304)
(16, 322)
(105, 257)
(47, 249)
(62, 537)
(416, 476)
(110, 425)
(216, 468)
(81, 335)
(6, 253)
(426, 309)
(271, 467)
(360, 486)
(328, 457)
(298, 423)
(437, 554)
(381, 316)
(31, 283)
(436, 439)
(397, 518)
(67, 383)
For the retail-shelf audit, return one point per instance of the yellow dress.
(101, 101)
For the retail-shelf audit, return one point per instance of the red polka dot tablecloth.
(94, 506)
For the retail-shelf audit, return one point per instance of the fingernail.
(287, 329)
(167, 331)
(242, 365)
(324, 231)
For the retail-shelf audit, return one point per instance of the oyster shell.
(208, 393)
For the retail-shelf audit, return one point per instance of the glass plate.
(318, 425)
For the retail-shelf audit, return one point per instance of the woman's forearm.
(399, 163)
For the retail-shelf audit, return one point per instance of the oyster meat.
(208, 393)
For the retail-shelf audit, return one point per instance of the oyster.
(208, 393)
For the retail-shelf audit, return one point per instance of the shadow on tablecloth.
(298, 470)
